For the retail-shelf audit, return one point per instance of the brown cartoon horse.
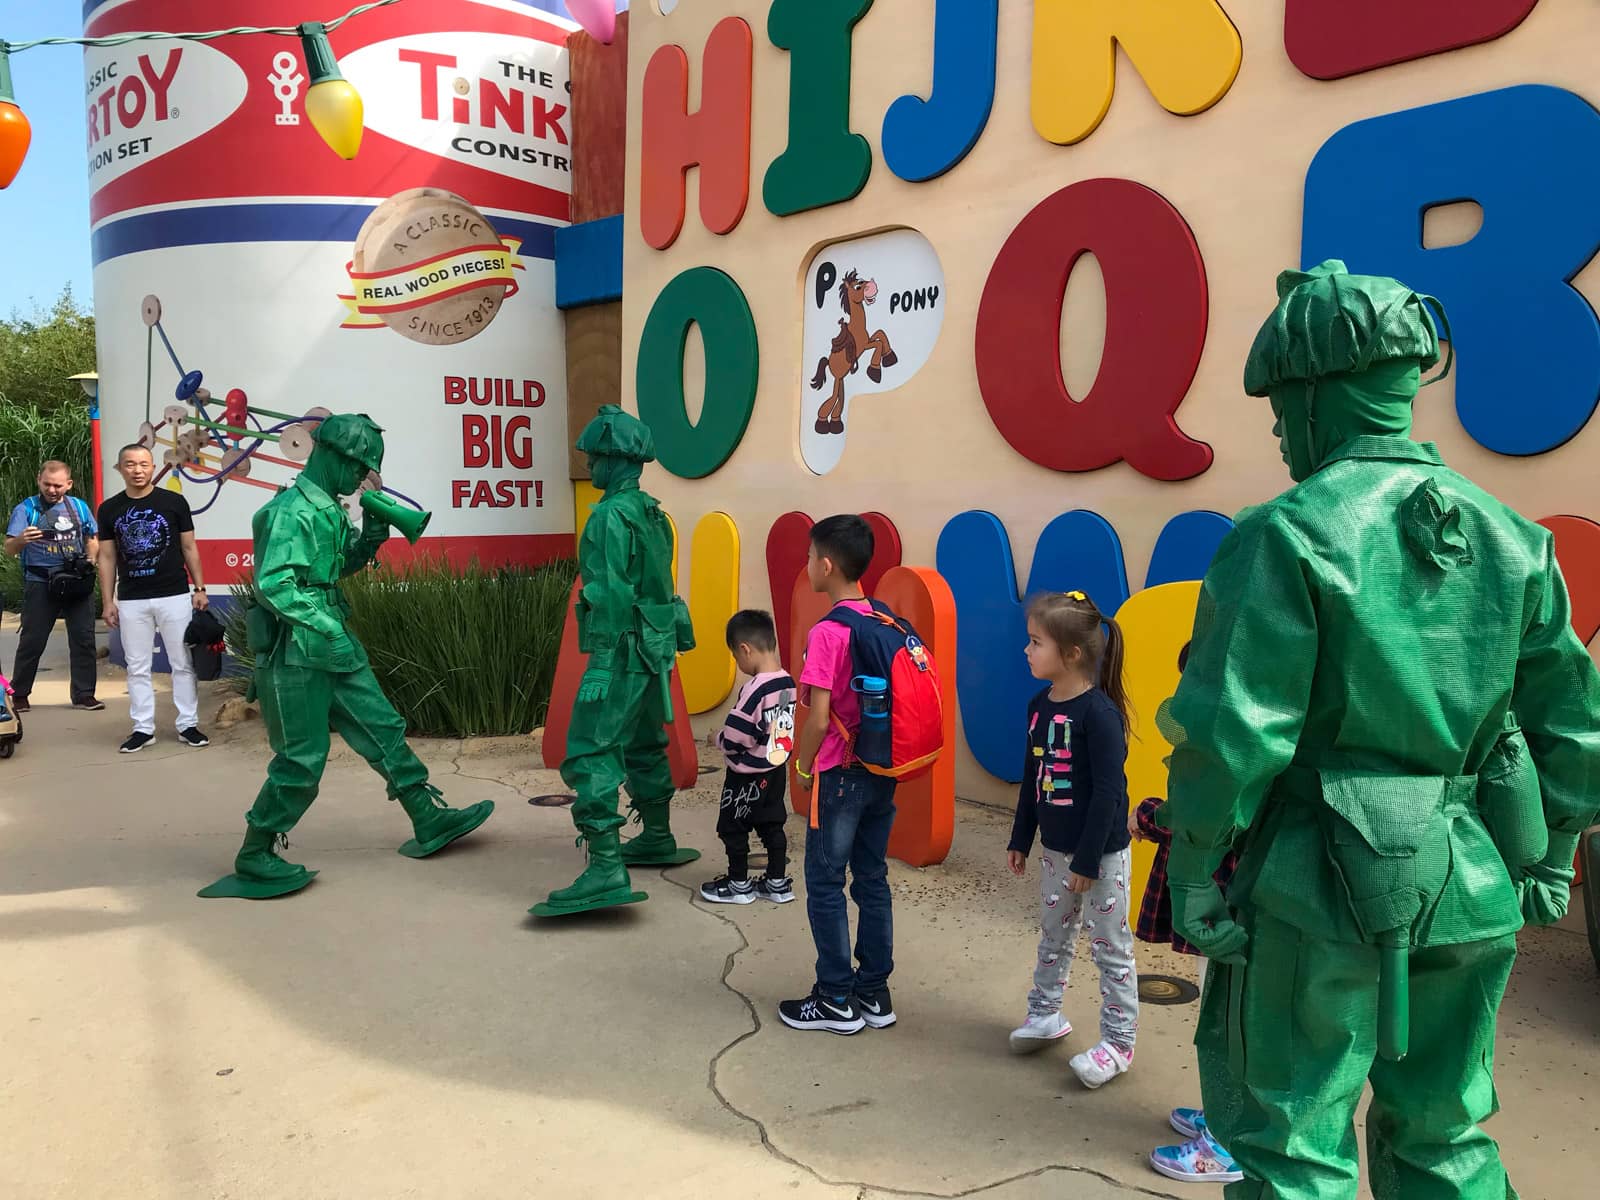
(844, 356)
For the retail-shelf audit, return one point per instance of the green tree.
(42, 414)
(40, 351)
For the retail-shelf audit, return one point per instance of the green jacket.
(304, 544)
(629, 618)
(1358, 645)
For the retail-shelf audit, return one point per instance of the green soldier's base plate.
(235, 887)
(682, 855)
(613, 899)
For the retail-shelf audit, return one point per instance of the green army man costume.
(1364, 650)
(632, 626)
(311, 672)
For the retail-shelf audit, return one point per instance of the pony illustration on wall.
(848, 348)
(897, 276)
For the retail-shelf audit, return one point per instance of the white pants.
(140, 619)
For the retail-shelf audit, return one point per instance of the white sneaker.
(1100, 1064)
(1033, 1033)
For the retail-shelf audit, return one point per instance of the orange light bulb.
(15, 134)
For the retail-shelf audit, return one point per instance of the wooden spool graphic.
(238, 461)
(172, 458)
(150, 310)
(421, 226)
(296, 442)
(318, 414)
(147, 435)
(175, 414)
(190, 445)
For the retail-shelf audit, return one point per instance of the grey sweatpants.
(1101, 913)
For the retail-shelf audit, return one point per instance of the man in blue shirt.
(57, 539)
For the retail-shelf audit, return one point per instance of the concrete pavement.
(402, 1029)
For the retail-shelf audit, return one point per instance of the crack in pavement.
(863, 1188)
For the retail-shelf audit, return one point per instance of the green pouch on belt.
(1390, 846)
(658, 637)
(1510, 802)
(684, 625)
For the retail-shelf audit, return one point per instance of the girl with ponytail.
(1074, 796)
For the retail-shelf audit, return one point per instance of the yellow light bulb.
(335, 110)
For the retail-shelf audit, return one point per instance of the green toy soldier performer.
(311, 672)
(632, 626)
(1365, 647)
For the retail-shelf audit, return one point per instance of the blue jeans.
(855, 812)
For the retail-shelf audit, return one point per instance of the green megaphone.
(409, 521)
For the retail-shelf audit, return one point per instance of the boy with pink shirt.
(852, 808)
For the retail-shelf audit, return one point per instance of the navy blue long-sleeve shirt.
(1074, 791)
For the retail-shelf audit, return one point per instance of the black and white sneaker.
(876, 1009)
(136, 742)
(779, 891)
(723, 890)
(821, 1012)
(193, 737)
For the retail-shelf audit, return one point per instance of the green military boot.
(434, 823)
(603, 884)
(258, 872)
(655, 846)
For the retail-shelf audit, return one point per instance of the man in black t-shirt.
(147, 541)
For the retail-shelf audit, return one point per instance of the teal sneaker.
(1188, 1121)
(1199, 1160)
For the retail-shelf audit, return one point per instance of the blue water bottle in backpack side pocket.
(873, 742)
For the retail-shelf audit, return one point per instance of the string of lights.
(122, 39)
(332, 104)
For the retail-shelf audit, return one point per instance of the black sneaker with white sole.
(193, 737)
(136, 742)
(821, 1012)
(779, 891)
(88, 703)
(876, 1009)
(723, 890)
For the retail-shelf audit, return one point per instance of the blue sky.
(46, 211)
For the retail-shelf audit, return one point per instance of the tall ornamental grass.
(460, 651)
(29, 437)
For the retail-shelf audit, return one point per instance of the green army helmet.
(616, 434)
(1341, 357)
(1330, 322)
(354, 435)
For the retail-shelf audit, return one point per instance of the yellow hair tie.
(1078, 596)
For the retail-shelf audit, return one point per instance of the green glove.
(1199, 912)
(595, 685)
(1545, 889)
(1201, 916)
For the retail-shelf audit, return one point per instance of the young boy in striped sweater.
(756, 740)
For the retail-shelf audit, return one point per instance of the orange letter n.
(716, 138)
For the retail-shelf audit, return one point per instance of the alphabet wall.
(1038, 384)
